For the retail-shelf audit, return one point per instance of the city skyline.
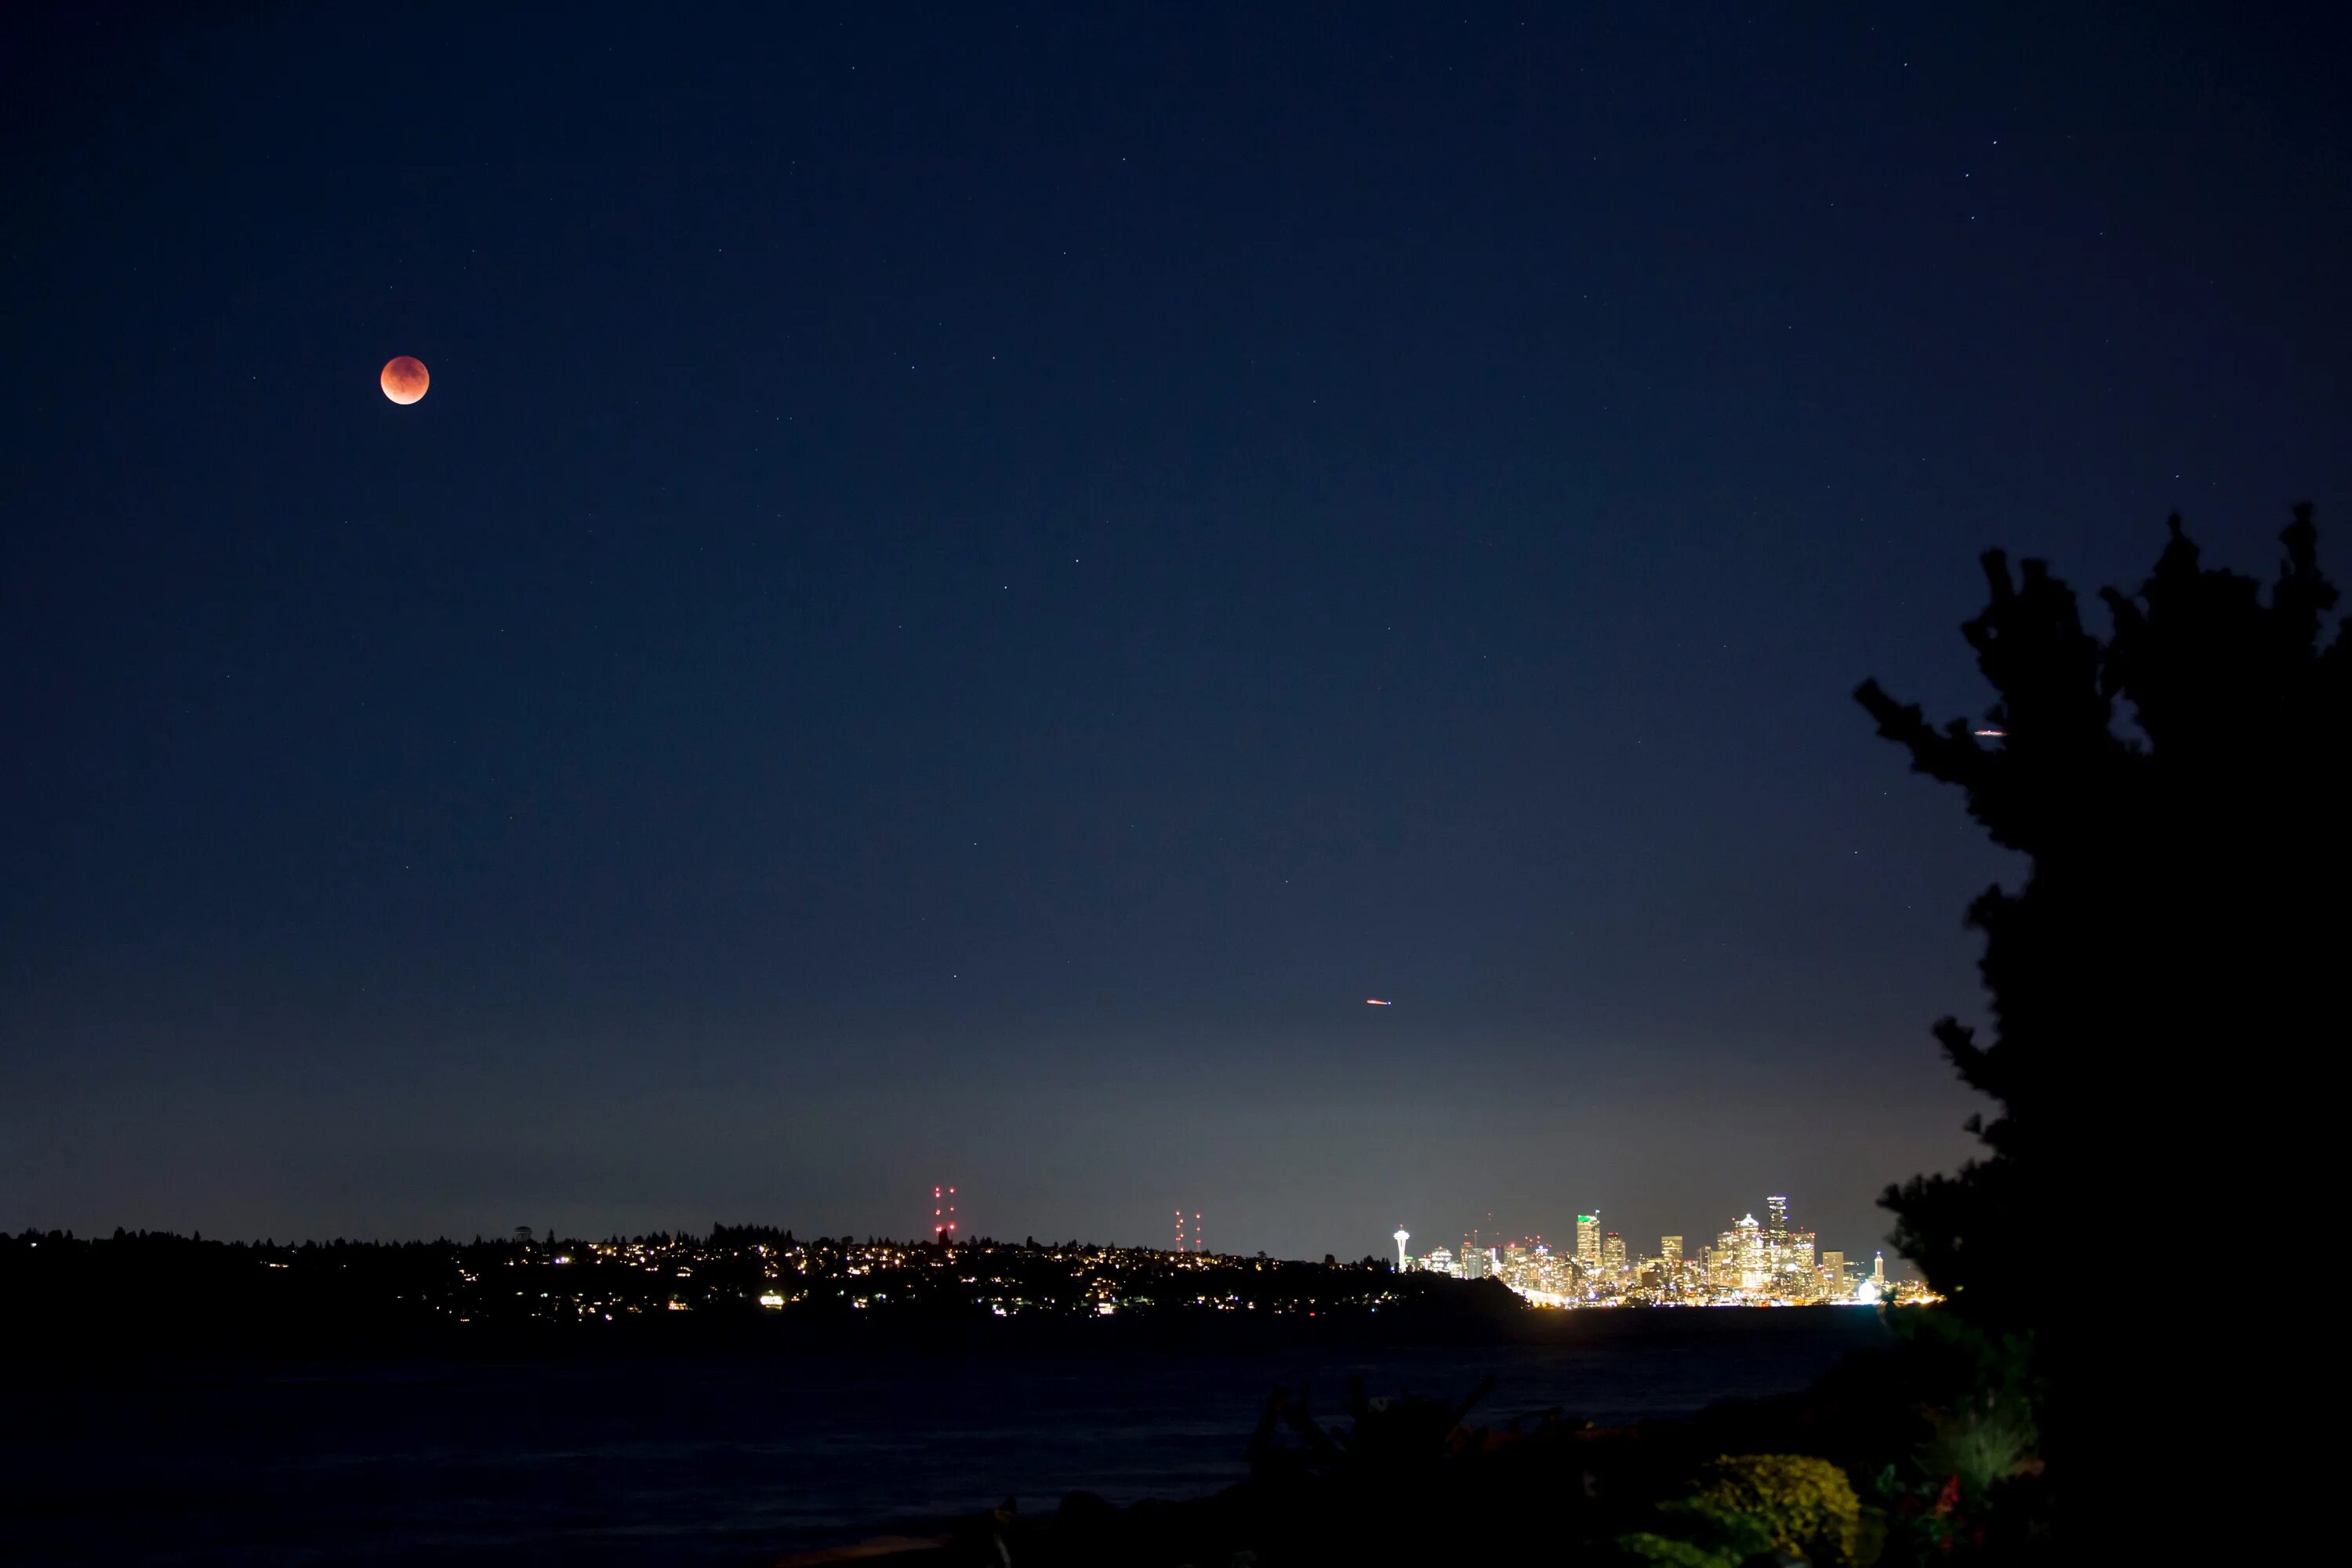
(1770, 1260)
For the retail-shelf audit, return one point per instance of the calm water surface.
(732, 1459)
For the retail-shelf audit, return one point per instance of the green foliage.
(1929, 1524)
(1645, 1546)
(1981, 1389)
(1697, 1534)
(1982, 1442)
(1804, 1505)
(1972, 1492)
(1761, 1507)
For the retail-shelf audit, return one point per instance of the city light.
(1770, 1262)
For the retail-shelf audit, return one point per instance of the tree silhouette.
(2163, 979)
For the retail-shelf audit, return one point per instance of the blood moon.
(403, 379)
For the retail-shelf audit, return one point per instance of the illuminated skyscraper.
(1878, 1269)
(1754, 1266)
(1588, 1243)
(1776, 1245)
(1833, 1279)
(1670, 1251)
(1612, 1255)
(1799, 1269)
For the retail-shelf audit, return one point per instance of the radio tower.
(943, 1216)
(1196, 1234)
(1180, 1230)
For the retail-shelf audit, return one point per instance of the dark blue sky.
(972, 580)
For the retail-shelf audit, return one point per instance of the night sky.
(973, 581)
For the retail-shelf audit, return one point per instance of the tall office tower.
(1878, 1269)
(1833, 1272)
(1776, 1238)
(1612, 1255)
(1800, 1260)
(1670, 1251)
(1588, 1243)
(1476, 1262)
(1755, 1264)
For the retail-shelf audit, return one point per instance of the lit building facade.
(1754, 1270)
(1767, 1262)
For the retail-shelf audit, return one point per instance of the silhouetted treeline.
(150, 1289)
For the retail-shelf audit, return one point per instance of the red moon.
(405, 380)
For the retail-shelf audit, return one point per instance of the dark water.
(732, 1459)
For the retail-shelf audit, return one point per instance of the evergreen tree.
(2161, 980)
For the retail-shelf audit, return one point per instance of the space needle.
(1402, 1236)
